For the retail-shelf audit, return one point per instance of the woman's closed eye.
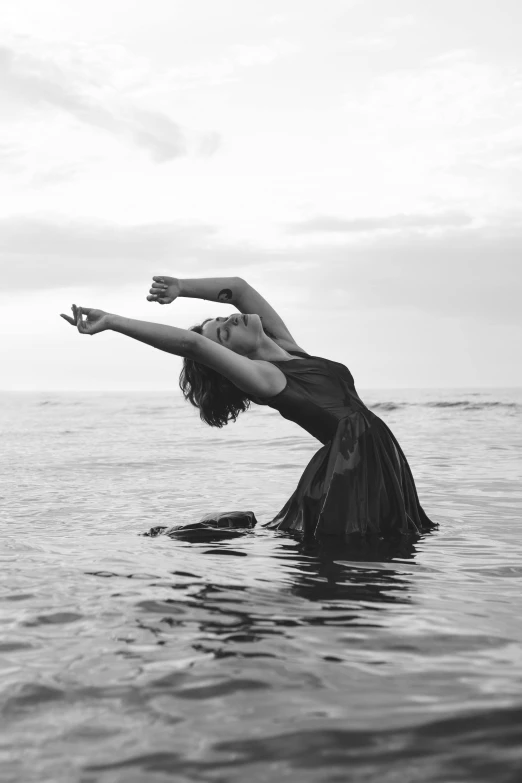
(222, 332)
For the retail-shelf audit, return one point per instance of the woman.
(359, 482)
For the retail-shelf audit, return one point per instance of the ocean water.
(125, 658)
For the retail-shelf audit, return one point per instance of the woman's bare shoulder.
(251, 376)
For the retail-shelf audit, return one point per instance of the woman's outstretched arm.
(166, 338)
(256, 377)
(170, 339)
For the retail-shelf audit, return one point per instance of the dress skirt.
(358, 483)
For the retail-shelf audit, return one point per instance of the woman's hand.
(96, 321)
(164, 290)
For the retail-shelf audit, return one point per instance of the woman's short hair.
(218, 399)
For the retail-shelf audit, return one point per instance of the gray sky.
(359, 162)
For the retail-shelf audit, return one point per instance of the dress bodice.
(318, 394)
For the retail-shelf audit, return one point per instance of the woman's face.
(241, 333)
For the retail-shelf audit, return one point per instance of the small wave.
(57, 618)
(464, 404)
(30, 696)
(448, 404)
(471, 405)
(468, 743)
(14, 646)
(63, 403)
(388, 406)
(151, 409)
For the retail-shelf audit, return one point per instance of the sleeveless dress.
(359, 482)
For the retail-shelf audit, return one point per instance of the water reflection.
(328, 572)
(324, 585)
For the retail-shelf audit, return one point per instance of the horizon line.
(178, 393)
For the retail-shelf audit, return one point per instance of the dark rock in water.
(155, 531)
(210, 528)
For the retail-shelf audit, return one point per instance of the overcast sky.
(359, 162)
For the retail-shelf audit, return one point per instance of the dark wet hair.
(218, 399)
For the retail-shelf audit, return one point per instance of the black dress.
(359, 482)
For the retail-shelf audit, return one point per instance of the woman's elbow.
(190, 346)
(240, 283)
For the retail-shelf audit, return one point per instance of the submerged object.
(212, 527)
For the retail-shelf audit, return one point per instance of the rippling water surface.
(127, 658)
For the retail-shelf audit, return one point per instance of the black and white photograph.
(260, 391)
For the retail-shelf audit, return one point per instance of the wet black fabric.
(212, 527)
(359, 483)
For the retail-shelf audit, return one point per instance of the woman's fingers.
(158, 290)
(73, 321)
(77, 319)
(79, 323)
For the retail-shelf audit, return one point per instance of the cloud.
(370, 43)
(261, 54)
(449, 92)
(35, 82)
(462, 272)
(224, 69)
(72, 86)
(328, 224)
(451, 114)
(448, 129)
(400, 22)
(55, 253)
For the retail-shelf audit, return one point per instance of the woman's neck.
(270, 351)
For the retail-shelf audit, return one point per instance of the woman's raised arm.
(215, 289)
(228, 290)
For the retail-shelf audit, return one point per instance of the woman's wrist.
(112, 321)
